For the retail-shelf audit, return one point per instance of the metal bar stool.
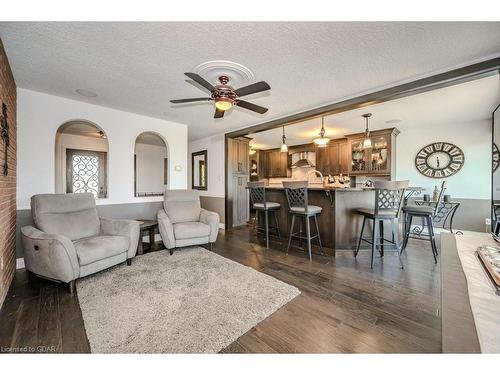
(260, 204)
(296, 195)
(427, 213)
(389, 197)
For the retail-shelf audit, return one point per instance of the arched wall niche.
(81, 158)
(151, 163)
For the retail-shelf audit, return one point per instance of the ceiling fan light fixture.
(322, 141)
(223, 104)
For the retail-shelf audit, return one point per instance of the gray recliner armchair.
(69, 239)
(182, 221)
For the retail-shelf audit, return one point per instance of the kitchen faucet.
(315, 172)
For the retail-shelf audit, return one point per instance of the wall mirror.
(495, 187)
(150, 165)
(199, 176)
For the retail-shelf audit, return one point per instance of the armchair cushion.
(191, 230)
(182, 205)
(93, 249)
(71, 215)
(122, 227)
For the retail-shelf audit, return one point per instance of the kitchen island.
(339, 224)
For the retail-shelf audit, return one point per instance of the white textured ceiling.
(466, 102)
(138, 67)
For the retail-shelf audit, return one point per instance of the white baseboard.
(19, 263)
(222, 226)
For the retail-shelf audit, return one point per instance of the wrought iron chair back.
(440, 197)
(257, 192)
(389, 195)
(296, 194)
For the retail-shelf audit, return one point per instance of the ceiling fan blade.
(189, 100)
(195, 77)
(252, 107)
(218, 113)
(253, 88)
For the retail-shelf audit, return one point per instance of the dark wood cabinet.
(263, 164)
(239, 150)
(323, 159)
(379, 160)
(344, 157)
(333, 159)
(241, 202)
(238, 165)
(276, 163)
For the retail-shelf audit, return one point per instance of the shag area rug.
(194, 301)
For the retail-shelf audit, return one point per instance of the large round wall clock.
(439, 160)
(496, 157)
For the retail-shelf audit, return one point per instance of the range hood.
(303, 159)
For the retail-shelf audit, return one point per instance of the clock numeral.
(447, 147)
(429, 149)
(438, 174)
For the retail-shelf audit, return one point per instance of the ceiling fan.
(225, 96)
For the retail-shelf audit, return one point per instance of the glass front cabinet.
(379, 160)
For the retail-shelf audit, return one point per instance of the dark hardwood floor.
(344, 306)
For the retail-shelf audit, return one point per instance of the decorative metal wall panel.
(86, 172)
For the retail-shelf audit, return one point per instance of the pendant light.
(284, 147)
(367, 142)
(252, 150)
(322, 141)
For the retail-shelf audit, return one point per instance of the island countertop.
(320, 187)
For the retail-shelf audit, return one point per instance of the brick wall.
(7, 183)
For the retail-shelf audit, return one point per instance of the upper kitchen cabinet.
(239, 149)
(379, 160)
(276, 163)
(333, 159)
(323, 159)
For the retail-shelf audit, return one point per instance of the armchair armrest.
(125, 228)
(212, 219)
(49, 255)
(166, 229)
